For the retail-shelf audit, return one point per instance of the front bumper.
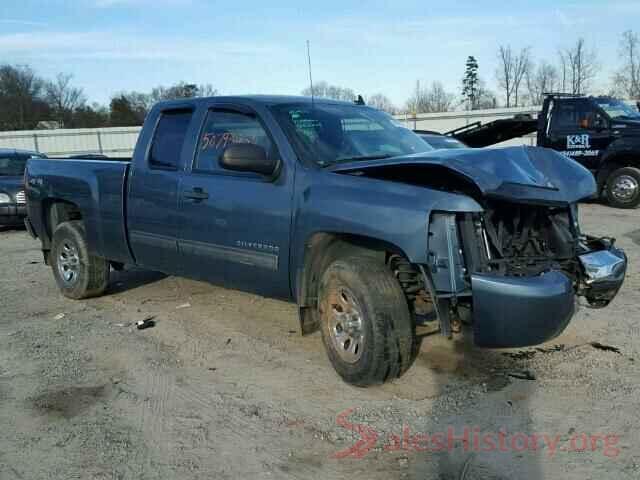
(520, 311)
(12, 214)
(511, 312)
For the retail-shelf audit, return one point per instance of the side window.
(566, 115)
(590, 116)
(168, 139)
(223, 128)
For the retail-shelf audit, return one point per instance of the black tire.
(388, 342)
(615, 196)
(78, 274)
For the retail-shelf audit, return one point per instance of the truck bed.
(92, 157)
(98, 187)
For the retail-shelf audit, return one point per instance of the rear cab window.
(569, 115)
(169, 138)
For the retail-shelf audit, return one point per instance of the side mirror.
(246, 157)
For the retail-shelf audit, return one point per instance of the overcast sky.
(259, 46)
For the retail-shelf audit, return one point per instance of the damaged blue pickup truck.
(337, 207)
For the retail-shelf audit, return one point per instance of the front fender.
(627, 147)
(394, 213)
(391, 213)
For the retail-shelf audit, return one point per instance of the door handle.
(196, 194)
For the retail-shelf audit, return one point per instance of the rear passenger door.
(236, 224)
(152, 209)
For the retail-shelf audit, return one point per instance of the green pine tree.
(470, 83)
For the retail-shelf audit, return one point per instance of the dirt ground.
(224, 387)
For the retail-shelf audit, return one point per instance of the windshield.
(617, 109)
(327, 134)
(442, 141)
(12, 166)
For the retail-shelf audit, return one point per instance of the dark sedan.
(13, 207)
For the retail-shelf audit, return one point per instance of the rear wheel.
(623, 188)
(77, 273)
(365, 321)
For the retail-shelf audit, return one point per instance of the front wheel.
(623, 188)
(366, 326)
(78, 274)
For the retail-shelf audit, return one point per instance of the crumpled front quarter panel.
(387, 211)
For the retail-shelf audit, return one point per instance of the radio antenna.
(310, 77)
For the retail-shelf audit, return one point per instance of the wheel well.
(323, 248)
(55, 212)
(619, 161)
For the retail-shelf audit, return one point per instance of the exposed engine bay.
(475, 256)
(509, 238)
(520, 240)
(513, 265)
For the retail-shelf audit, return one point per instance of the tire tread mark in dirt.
(156, 395)
(233, 424)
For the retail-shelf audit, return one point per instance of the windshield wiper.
(359, 159)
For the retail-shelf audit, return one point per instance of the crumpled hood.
(528, 174)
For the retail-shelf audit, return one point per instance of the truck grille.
(20, 198)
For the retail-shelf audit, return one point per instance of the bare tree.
(207, 90)
(381, 102)
(564, 71)
(627, 79)
(21, 98)
(581, 67)
(486, 99)
(172, 92)
(323, 89)
(541, 80)
(430, 100)
(63, 98)
(504, 73)
(513, 69)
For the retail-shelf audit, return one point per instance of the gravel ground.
(224, 387)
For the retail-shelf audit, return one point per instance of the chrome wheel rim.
(346, 326)
(625, 188)
(69, 263)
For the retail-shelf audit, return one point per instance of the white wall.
(113, 141)
(120, 141)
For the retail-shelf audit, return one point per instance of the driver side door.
(236, 225)
(579, 130)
